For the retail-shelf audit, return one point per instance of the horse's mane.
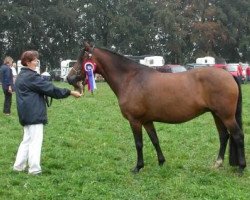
(119, 60)
(124, 61)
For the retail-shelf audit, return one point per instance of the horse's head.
(77, 74)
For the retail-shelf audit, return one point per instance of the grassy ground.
(88, 152)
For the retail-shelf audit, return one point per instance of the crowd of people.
(30, 89)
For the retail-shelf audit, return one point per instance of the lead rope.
(48, 103)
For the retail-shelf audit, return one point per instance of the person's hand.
(75, 94)
(10, 89)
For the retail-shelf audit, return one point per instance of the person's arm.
(47, 88)
(7, 78)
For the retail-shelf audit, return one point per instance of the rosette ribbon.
(89, 68)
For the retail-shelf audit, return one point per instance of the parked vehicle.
(55, 75)
(236, 70)
(190, 66)
(171, 68)
(153, 61)
(221, 66)
(207, 60)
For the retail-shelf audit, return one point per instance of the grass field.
(88, 152)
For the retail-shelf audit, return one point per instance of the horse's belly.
(175, 114)
(174, 119)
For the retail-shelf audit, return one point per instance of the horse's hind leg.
(149, 127)
(223, 136)
(237, 151)
(137, 132)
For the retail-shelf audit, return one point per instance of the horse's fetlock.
(161, 162)
(137, 168)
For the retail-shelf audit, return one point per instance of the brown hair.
(28, 56)
(8, 60)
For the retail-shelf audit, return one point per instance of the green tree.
(237, 21)
(47, 26)
(181, 30)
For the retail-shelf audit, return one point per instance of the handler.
(31, 106)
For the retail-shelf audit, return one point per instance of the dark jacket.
(6, 77)
(30, 91)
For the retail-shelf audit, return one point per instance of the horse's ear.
(86, 45)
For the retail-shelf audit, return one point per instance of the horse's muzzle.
(73, 79)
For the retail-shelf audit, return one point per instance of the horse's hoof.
(161, 162)
(135, 170)
(240, 172)
(218, 164)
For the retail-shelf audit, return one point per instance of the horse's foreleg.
(137, 132)
(149, 127)
(223, 136)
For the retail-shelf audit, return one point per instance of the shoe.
(16, 169)
(37, 173)
(7, 114)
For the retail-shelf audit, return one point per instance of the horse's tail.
(233, 153)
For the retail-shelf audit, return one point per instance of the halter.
(89, 54)
(90, 51)
(78, 71)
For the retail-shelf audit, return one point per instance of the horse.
(146, 95)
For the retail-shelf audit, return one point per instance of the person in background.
(14, 72)
(45, 74)
(31, 106)
(7, 84)
(240, 73)
(248, 73)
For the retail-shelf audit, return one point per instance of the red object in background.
(248, 71)
(221, 66)
(235, 69)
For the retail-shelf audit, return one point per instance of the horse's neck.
(115, 78)
(115, 74)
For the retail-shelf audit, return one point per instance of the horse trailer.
(66, 66)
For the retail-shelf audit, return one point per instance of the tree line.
(179, 30)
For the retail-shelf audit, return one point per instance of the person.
(45, 75)
(32, 112)
(14, 72)
(248, 73)
(7, 84)
(240, 73)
